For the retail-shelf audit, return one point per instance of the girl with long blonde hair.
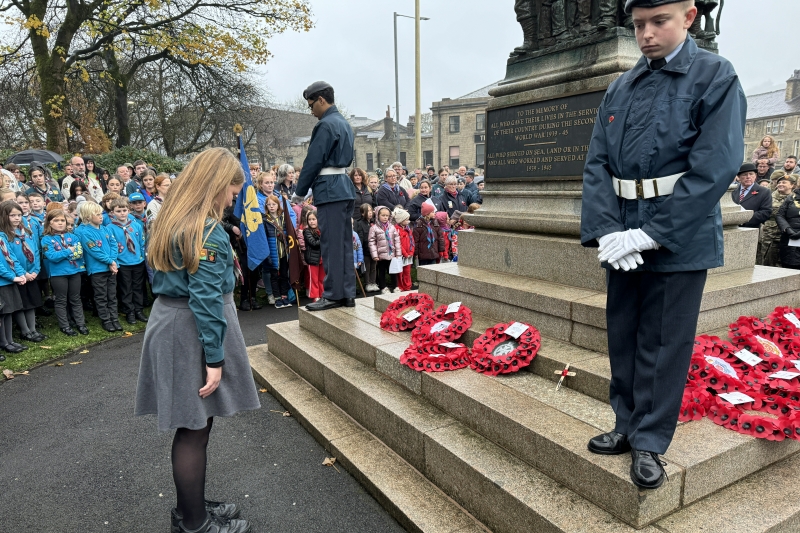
(767, 149)
(193, 331)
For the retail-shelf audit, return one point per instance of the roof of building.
(771, 104)
(360, 122)
(483, 92)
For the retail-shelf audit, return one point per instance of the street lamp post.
(417, 126)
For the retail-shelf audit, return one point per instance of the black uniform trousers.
(130, 282)
(336, 245)
(652, 320)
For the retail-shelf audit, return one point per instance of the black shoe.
(109, 326)
(116, 324)
(42, 336)
(30, 337)
(140, 316)
(254, 305)
(323, 304)
(83, 330)
(244, 305)
(226, 511)
(131, 318)
(611, 443)
(647, 470)
(12, 348)
(215, 524)
(2, 358)
(18, 346)
(68, 331)
(349, 302)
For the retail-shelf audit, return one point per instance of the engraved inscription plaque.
(541, 140)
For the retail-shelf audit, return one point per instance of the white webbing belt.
(327, 171)
(633, 189)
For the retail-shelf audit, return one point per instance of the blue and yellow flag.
(248, 212)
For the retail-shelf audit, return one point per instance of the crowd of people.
(773, 194)
(73, 244)
(409, 218)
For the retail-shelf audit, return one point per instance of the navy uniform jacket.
(687, 117)
(331, 146)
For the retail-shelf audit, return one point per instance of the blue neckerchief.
(388, 239)
(430, 236)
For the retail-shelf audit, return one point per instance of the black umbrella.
(25, 157)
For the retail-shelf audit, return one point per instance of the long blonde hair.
(182, 219)
(772, 151)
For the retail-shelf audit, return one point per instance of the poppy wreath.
(486, 361)
(432, 357)
(743, 338)
(393, 318)
(748, 419)
(429, 330)
(695, 403)
(774, 340)
(778, 319)
(711, 365)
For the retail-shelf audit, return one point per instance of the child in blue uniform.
(25, 250)
(100, 255)
(11, 274)
(37, 206)
(63, 257)
(193, 332)
(130, 256)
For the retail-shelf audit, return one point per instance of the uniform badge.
(208, 255)
(44, 248)
(99, 244)
(90, 244)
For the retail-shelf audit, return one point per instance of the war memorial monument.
(466, 452)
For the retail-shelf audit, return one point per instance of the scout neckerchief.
(409, 237)
(429, 230)
(386, 234)
(65, 246)
(143, 219)
(128, 231)
(45, 193)
(26, 249)
(4, 251)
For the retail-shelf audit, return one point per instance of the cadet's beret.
(630, 4)
(747, 167)
(316, 87)
(471, 172)
(478, 179)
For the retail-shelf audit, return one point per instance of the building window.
(782, 126)
(455, 124)
(403, 158)
(747, 130)
(454, 161)
(480, 122)
(796, 148)
(480, 154)
(780, 146)
(370, 163)
(427, 158)
(272, 162)
(776, 126)
(798, 123)
(290, 160)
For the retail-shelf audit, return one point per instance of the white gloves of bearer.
(621, 249)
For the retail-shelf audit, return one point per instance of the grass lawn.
(58, 345)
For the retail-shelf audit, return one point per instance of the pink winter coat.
(378, 247)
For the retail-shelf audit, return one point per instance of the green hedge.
(129, 154)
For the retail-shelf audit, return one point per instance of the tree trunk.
(120, 95)
(52, 94)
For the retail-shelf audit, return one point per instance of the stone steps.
(577, 315)
(447, 426)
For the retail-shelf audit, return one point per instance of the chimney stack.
(388, 124)
(793, 87)
(411, 120)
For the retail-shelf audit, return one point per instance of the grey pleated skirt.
(172, 369)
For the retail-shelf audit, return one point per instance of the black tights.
(189, 473)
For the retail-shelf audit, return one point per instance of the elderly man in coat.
(324, 171)
(667, 140)
(752, 196)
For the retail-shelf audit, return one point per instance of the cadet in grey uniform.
(667, 142)
(330, 152)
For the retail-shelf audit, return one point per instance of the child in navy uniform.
(100, 254)
(129, 235)
(63, 257)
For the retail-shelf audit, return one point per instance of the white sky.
(465, 46)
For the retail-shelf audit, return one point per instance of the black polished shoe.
(215, 524)
(30, 337)
(109, 325)
(226, 511)
(611, 443)
(116, 324)
(18, 346)
(131, 318)
(244, 305)
(83, 330)
(13, 348)
(68, 331)
(647, 470)
(349, 302)
(140, 316)
(323, 303)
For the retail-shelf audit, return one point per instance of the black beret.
(316, 87)
(630, 4)
(747, 167)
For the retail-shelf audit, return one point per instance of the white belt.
(633, 189)
(327, 171)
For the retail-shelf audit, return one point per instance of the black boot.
(140, 316)
(244, 305)
(254, 305)
(529, 37)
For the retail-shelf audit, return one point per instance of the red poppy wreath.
(446, 324)
(771, 418)
(436, 357)
(496, 352)
(400, 315)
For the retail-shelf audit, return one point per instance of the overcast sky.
(465, 46)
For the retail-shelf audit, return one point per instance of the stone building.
(776, 113)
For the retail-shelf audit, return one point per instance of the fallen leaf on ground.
(127, 334)
(84, 351)
(46, 347)
(329, 461)
(8, 374)
(287, 413)
(23, 373)
(262, 390)
(76, 362)
(58, 364)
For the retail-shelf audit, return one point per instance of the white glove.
(608, 240)
(629, 262)
(633, 240)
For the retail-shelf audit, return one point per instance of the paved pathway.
(74, 459)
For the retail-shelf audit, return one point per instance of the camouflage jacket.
(770, 230)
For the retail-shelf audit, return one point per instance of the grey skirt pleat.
(172, 369)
